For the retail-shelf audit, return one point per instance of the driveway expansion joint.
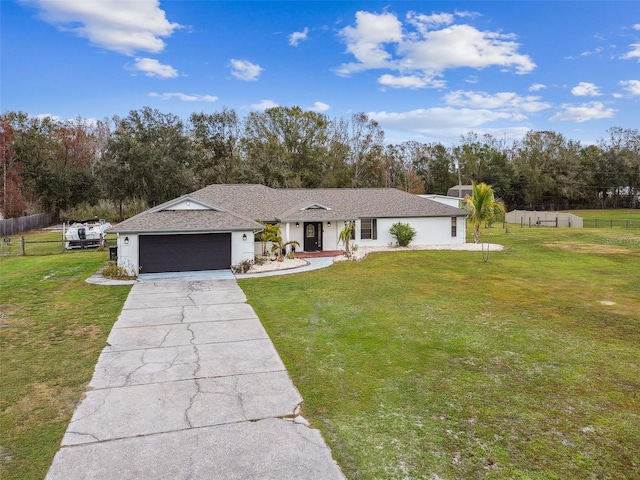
(189, 382)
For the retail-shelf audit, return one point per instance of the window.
(368, 229)
(454, 227)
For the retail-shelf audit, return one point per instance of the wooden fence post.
(22, 250)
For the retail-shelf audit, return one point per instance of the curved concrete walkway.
(190, 387)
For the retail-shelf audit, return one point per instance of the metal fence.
(21, 246)
(627, 224)
(11, 226)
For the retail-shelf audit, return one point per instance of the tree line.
(50, 165)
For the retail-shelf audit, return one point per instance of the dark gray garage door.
(184, 253)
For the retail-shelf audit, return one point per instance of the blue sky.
(426, 71)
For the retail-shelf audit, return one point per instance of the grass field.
(423, 365)
(40, 242)
(614, 214)
(435, 365)
(53, 326)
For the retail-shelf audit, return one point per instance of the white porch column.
(286, 232)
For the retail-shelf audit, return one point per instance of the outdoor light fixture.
(297, 224)
(244, 237)
(126, 240)
(328, 224)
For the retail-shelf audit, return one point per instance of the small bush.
(243, 267)
(403, 233)
(113, 271)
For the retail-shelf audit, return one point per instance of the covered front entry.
(185, 253)
(313, 236)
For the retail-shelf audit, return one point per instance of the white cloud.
(422, 49)
(123, 27)
(423, 119)
(634, 53)
(636, 26)
(504, 101)
(583, 113)
(536, 87)
(445, 124)
(409, 81)
(592, 52)
(367, 39)
(43, 116)
(467, 14)
(586, 53)
(318, 107)
(264, 104)
(631, 86)
(586, 89)
(153, 68)
(245, 70)
(464, 46)
(184, 97)
(297, 37)
(424, 23)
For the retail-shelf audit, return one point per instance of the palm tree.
(269, 230)
(346, 235)
(482, 207)
(271, 233)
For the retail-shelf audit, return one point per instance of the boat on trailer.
(86, 233)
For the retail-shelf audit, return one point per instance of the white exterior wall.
(295, 233)
(429, 231)
(128, 253)
(330, 235)
(241, 249)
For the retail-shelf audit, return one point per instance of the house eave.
(185, 230)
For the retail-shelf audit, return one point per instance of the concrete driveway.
(190, 387)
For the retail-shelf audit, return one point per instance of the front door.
(313, 237)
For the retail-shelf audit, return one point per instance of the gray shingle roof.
(274, 204)
(244, 204)
(185, 221)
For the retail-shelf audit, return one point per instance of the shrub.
(243, 267)
(114, 271)
(403, 233)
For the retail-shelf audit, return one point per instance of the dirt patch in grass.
(587, 248)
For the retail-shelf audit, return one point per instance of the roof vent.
(315, 206)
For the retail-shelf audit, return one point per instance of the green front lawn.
(53, 326)
(435, 365)
(424, 365)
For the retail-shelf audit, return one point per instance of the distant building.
(460, 191)
(447, 200)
